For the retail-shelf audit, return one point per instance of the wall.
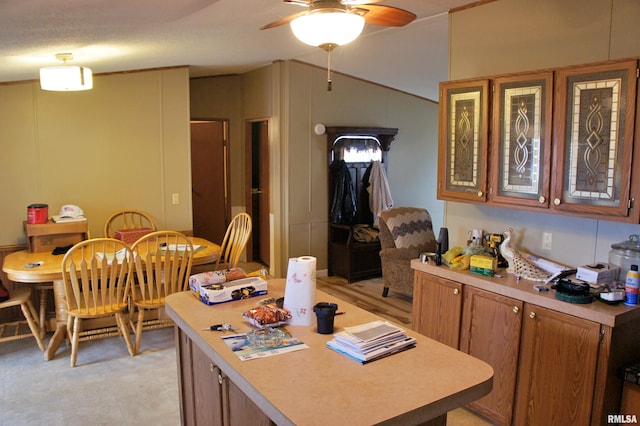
(221, 98)
(412, 159)
(293, 96)
(124, 144)
(519, 35)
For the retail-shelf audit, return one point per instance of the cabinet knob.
(556, 201)
(456, 291)
(541, 200)
(532, 315)
(516, 310)
(480, 194)
(220, 378)
(212, 367)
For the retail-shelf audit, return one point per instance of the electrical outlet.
(546, 240)
(175, 198)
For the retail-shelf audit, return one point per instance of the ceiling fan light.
(327, 28)
(66, 78)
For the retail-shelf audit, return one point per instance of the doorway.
(257, 190)
(210, 178)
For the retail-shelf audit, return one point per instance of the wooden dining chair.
(127, 220)
(163, 262)
(96, 276)
(234, 241)
(14, 330)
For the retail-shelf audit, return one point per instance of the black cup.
(325, 313)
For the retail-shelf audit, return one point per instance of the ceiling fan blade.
(283, 21)
(345, 2)
(386, 16)
(358, 2)
(304, 3)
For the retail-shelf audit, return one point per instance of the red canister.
(37, 213)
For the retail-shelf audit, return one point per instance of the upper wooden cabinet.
(521, 139)
(462, 140)
(561, 141)
(593, 138)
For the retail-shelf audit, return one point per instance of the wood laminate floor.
(367, 295)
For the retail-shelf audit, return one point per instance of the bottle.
(631, 286)
(438, 258)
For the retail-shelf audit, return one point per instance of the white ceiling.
(215, 37)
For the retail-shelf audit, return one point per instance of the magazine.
(371, 341)
(243, 348)
(375, 354)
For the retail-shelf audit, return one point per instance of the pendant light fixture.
(328, 28)
(66, 78)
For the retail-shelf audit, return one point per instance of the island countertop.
(320, 386)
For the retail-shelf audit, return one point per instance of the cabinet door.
(491, 332)
(556, 376)
(239, 409)
(200, 390)
(206, 389)
(593, 138)
(437, 308)
(462, 141)
(521, 140)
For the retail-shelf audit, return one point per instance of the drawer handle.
(532, 315)
(515, 310)
(456, 291)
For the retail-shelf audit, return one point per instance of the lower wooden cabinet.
(490, 331)
(556, 376)
(207, 396)
(437, 307)
(550, 367)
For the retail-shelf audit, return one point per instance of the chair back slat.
(127, 219)
(96, 275)
(163, 262)
(234, 241)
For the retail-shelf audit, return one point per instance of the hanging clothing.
(343, 201)
(379, 192)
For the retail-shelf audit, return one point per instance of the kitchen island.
(314, 385)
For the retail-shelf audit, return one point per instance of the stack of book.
(371, 341)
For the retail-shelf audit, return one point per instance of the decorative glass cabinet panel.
(521, 139)
(462, 147)
(593, 137)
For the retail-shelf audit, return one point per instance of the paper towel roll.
(300, 290)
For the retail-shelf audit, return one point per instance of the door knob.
(532, 315)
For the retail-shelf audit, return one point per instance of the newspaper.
(243, 348)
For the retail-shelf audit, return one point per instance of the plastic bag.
(267, 316)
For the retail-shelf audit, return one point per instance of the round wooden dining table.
(16, 266)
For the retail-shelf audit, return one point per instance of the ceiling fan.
(328, 24)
